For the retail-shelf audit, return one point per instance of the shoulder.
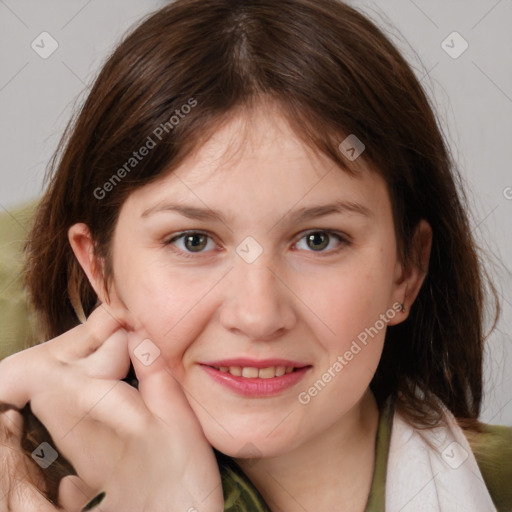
(493, 453)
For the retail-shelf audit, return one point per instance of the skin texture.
(294, 301)
(125, 442)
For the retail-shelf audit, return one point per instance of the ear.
(82, 244)
(409, 279)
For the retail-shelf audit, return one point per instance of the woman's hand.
(144, 448)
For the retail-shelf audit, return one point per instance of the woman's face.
(287, 261)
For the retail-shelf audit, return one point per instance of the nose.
(258, 303)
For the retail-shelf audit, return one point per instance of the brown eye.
(323, 241)
(318, 240)
(192, 242)
(195, 243)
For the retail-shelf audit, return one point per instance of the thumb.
(162, 393)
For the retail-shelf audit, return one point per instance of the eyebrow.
(299, 215)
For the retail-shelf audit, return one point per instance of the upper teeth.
(252, 373)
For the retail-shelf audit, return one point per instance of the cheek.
(352, 297)
(355, 308)
(170, 307)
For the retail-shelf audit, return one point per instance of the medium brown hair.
(333, 73)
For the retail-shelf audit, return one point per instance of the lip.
(256, 387)
(255, 363)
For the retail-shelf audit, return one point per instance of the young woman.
(255, 266)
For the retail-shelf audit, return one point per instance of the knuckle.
(94, 340)
(9, 368)
(131, 402)
(6, 364)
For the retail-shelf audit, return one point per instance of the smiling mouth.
(256, 373)
(249, 381)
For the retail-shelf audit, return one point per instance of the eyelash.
(342, 239)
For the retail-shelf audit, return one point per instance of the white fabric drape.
(442, 478)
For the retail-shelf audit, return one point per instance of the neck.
(330, 472)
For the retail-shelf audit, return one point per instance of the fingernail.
(94, 502)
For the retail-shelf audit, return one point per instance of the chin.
(248, 445)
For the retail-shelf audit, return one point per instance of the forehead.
(251, 140)
(255, 160)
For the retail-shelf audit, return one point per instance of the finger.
(37, 369)
(88, 337)
(160, 391)
(111, 360)
(17, 380)
(91, 412)
(74, 493)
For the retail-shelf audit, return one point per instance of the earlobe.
(410, 278)
(82, 244)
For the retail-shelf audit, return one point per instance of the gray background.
(472, 94)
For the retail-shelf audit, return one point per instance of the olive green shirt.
(492, 449)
